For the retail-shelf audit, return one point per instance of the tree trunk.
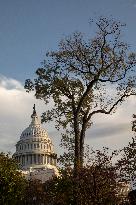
(77, 154)
(82, 137)
(77, 149)
(76, 159)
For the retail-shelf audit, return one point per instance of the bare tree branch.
(111, 109)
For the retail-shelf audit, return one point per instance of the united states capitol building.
(35, 153)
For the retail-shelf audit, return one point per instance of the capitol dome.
(35, 148)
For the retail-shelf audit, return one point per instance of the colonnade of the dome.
(27, 160)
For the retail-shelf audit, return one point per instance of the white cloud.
(16, 105)
(114, 131)
(10, 83)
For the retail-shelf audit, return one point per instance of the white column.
(32, 159)
(36, 158)
(28, 160)
(52, 161)
(47, 159)
(44, 159)
(24, 159)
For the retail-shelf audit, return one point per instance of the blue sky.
(28, 29)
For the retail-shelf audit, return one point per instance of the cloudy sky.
(28, 29)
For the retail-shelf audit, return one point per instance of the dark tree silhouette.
(79, 78)
(12, 183)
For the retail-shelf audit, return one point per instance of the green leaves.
(12, 183)
(127, 163)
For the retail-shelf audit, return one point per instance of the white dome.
(35, 148)
(34, 130)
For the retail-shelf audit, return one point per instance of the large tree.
(84, 78)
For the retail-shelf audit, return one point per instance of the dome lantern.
(35, 120)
